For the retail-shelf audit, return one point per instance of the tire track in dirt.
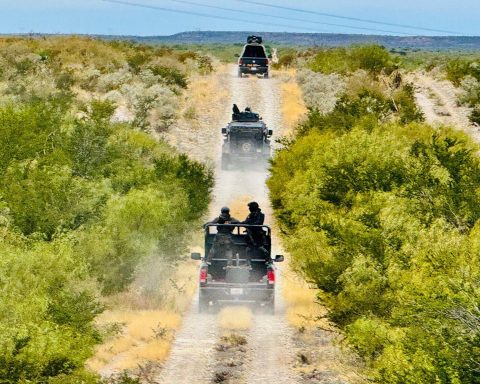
(438, 99)
(192, 357)
(269, 341)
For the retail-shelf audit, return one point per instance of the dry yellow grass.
(293, 108)
(145, 336)
(302, 309)
(203, 94)
(141, 314)
(155, 350)
(235, 318)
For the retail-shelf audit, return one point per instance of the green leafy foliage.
(372, 58)
(458, 69)
(475, 115)
(286, 59)
(384, 222)
(381, 212)
(85, 200)
(48, 306)
(172, 76)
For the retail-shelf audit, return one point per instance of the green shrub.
(138, 60)
(205, 64)
(184, 56)
(48, 307)
(84, 202)
(286, 59)
(372, 58)
(475, 115)
(407, 107)
(384, 219)
(172, 76)
(458, 69)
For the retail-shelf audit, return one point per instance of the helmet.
(225, 210)
(253, 205)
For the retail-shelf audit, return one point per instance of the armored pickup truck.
(246, 276)
(246, 139)
(253, 59)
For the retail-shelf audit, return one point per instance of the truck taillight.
(203, 275)
(240, 61)
(271, 276)
(268, 61)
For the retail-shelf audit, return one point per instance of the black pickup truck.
(248, 280)
(254, 59)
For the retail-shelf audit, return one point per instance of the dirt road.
(271, 349)
(438, 101)
(269, 338)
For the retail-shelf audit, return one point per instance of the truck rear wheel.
(265, 76)
(240, 73)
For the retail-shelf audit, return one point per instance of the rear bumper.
(244, 158)
(238, 294)
(238, 154)
(261, 70)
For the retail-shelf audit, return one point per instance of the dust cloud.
(235, 318)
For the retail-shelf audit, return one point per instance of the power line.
(139, 5)
(288, 18)
(346, 17)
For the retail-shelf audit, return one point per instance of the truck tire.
(265, 76)
(240, 73)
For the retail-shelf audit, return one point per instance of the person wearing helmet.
(256, 216)
(223, 240)
(256, 236)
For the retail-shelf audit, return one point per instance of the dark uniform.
(256, 236)
(223, 240)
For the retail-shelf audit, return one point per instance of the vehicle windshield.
(254, 51)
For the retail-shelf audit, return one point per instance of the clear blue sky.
(100, 17)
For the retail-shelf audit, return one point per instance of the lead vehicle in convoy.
(247, 139)
(249, 279)
(253, 59)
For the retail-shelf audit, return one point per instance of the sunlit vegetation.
(466, 74)
(380, 212)
(87, 198)
(462, 69)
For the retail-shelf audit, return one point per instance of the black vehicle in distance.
(253, 59)
(247, 140)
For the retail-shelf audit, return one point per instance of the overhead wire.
(337, 16)
(154, 7)
(288, 18)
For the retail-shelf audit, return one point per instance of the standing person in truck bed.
(256, 236)
(223, 239)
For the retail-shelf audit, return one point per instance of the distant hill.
(322, 39)
(431, 43)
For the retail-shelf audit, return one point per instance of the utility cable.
(154, 7)
(346, 17)
(288, 18)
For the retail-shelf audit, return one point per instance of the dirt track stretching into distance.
(269, 339)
